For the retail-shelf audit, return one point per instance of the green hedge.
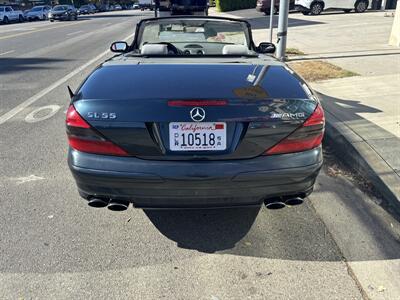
(227, 5)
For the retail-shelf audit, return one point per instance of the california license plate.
(184, 136)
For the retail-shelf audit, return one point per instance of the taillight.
(82, 137)
(307, 137)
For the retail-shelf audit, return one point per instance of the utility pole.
(394, 39)
(282, 29)
(271, 20)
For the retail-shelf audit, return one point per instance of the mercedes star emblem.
(197, 114)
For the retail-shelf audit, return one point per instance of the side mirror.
(266, 47)
(119, 47)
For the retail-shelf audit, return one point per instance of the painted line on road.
(7, 52)
(39, 30)
(76, 32)
(4, 118)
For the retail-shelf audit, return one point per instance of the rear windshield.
(195, 31)
(61, 7)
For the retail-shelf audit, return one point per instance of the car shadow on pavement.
(344, 115)
(14, 65)
(206, 230)
(290, 234)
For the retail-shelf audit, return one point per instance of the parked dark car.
(265, 6)
(86, 10)
(63, 12)
(194, 117)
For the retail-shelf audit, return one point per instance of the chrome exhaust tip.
(97, 202)
(274, 203)
(118, 205)
(294, 201)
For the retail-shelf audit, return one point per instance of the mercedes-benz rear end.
(211, 135)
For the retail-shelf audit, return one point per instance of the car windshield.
(38, 8)
(210, 35)
(61, 7)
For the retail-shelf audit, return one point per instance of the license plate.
(184, 136)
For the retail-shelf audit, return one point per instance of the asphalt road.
(340, 244)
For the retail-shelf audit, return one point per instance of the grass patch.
(319, 70)
(294, 51)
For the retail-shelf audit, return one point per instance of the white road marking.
(29, 178)
(76, 32)
(4, 118)
(7, 52)
(53, 109)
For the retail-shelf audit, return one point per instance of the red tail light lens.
(74, 119)
(307, 137)
(82, 137)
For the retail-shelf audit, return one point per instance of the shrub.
(227, 5)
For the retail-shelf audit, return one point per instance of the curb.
(357, 154)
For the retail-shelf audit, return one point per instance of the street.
(54, 246)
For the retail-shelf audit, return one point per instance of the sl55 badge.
(102, 115)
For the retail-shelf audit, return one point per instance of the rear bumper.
(194, 184)
(298, 7)
(59, 17)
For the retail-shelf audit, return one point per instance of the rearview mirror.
(266, 47)
(119, 47)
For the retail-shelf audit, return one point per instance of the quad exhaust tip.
(294, 201)
(118, 205)
(281, 202)
(97, 202)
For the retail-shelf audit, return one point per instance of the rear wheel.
(361, 6)
(267, 12)
(20, 18)
(316, 8)
(5, 20)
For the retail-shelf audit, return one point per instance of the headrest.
(235, 50)
(154, 49)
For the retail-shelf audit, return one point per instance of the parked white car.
(315, 7)
(8, 14)
(38, 13)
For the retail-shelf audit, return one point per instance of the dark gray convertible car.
(193, 114)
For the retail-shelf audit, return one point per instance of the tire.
(20, 19)
(5, 20)
(268, 11)
(361, 6)
(51, 20)
(316, 8)
(76, 17)
(347, 11)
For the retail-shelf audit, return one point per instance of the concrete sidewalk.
(363, 112)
